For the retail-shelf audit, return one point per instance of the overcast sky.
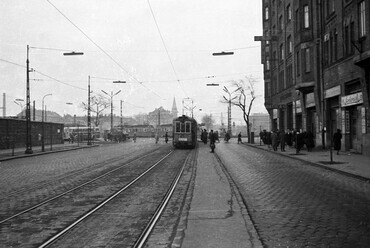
(162, 58)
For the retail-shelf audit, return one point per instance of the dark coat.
(337, 141)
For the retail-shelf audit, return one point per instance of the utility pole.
(88, 113)
(121, 117)
(111, 106)
(28, 108)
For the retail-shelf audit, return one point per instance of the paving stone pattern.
(295, 204)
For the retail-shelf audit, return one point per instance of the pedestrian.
(205, 135)
(310, 143)
(216, 137)
(282, 140)
(337, 140)
(240, 138)
(274, 140)
(289, 138)
(300, 141)
(166, 137)
(134, 138)
(212, 141)
(227, 136)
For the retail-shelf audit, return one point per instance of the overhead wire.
(45, 75)
(101, 49)
(165, 47)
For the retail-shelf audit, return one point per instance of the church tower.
(174, 111)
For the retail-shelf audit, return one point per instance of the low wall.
(13, 133)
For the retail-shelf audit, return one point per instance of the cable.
(41, 73)
(165, 47)
(101, 49)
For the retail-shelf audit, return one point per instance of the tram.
(184, 132)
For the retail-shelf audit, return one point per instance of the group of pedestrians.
(297, 139)
(290, 138)
(205, 136)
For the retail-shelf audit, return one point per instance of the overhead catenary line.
(45, 75)
(101, 49)
(165, 47)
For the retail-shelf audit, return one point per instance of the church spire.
(174, 111)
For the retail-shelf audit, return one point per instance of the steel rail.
(73, 189)
(51, 182)
(140, 242)
(61, 233)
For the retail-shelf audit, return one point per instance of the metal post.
(28, 109)
(111, 112)
(88, 115)
(43, 119)
(121, 118)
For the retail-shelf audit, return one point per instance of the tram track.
(77, 172)
(74, 204)
(60, 180)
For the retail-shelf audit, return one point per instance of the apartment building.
(316, 57)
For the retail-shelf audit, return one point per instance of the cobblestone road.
(295, 204)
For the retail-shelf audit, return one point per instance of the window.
(307, 60)
(347, 42)
(187, 127)
(289, 75)
(289, 13)
(298, 63)
(281, 24)
(267, 63)
(297, 22)
(281, 52)
(290, 44)
(362, 20)
(330, 7)
(266, 13)
(335, 46)
(178, 127)
(306, 16)
(331, 48)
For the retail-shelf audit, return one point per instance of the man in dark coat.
(337, 140)
(212, 141)
(282, 140)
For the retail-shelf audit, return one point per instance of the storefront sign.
(343, 121)
(297, 106)
(363, 120)
(335, 91)
(310, 100)
(353, 99)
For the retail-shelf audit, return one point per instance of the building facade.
(316, 57)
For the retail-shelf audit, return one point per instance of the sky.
(161, 48)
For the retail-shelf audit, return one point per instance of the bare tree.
(97, 105)
(244, 96)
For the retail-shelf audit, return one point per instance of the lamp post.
(28, 101)
(111, 95)
(229, 108)
(43, 124)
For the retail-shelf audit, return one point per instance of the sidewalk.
(9, 154)
(352, 164)
(217, 216)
